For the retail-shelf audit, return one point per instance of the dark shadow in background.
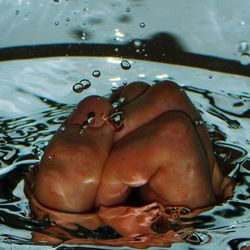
(162, 47)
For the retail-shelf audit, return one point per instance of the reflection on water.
(36, 96)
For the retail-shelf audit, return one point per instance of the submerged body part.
(124, 166)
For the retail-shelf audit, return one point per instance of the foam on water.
(36, 96)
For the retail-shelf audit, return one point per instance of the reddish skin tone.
(159, 151)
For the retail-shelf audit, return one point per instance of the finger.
(165, 154)
(162, 97)
(130, 92)
(70, 170)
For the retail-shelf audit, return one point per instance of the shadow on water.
(162, 47)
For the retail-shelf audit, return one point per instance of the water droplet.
(78, 87)
(62, 128)
(83, 35)
(116, 120)
(82, 85)
(125, 65)
(67, 19)
(50, 157)
(122, 100)
(115, 105)
(83, 127)
(91, 118)
(96, 73)
(198, 122)
(210, 76)
(243, 47)
(56, 23)
(142, 25)
(245, 59)
(137, 43)
(114, 89)
(128, 9)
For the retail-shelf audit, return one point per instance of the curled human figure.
(121, 161)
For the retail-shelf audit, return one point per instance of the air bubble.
(142, 25)
(210, 76)
(114, 89)
(137, 43)
(83, 127)
(91, 118)
(245, 59)
(56, 23)
(243, 47)
(62, 128)
(124, 83)
(116, 120)
(122, 100)
(82, 85)
(96, 73)
(50, 157)
(115, 105)
(67, 19)
(125, 65)
(128, 9)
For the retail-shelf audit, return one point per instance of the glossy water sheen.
(36, 95)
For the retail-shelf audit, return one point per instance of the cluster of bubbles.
(84, 84)
(81, 85)
(244, 50)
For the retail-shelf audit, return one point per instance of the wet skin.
(160, 149)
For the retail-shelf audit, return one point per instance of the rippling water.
(37, 94)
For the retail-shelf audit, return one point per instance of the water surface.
(37, 95)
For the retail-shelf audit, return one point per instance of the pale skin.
(159, 150)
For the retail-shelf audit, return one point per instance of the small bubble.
(116, 49)
(114, 89)
(91, 118)
(128, 9)
(62, 128)
(122, 100)
(116, 120)
(83, 36)
(17, 12)
(125, 65)
(115, 105)
(210, 76)
(96, 73)
(243, 47)
(50, 157)
(124, 83)
(82, 85)
(84, 127)
(137, 43)
(142, 25)
(67, 19)
(56, 23)
(245, 59)
(56, 1)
